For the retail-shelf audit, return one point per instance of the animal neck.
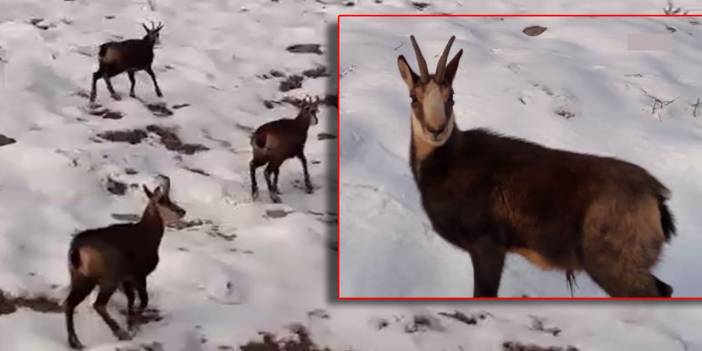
(303, 120)
(152, 220)
(422, 147)
(148, 41)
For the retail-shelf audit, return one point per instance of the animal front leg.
(133, 82)
(143, 295)
(110, 88)
(153, 77)
(308, 183)
(488, 260)
(128, 289)
(100, 305)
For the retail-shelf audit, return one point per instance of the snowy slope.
(214, 57)
(578, 86)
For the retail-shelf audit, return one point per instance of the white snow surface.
(213, 292)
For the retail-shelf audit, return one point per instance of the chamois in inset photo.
(119, 256)
(489, 195)
(131, 56)
(277, 141)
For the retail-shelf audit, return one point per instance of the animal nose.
(436, 132)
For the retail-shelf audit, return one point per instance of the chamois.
(491, 195)
(131, 56)
(277, 141)
(120, 255)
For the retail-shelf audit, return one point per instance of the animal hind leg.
(253, 165)
(100, 305)
(80, 289)
(110, 88)
(664, 289)
(621, 279)
(271, 188)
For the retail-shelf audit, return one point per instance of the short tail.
(73, 258)
(103, 51)
(667, 220)
(258, 140)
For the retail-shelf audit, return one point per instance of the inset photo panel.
(519, 157)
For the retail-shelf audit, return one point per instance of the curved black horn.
(165, 183)
(423, 70)
(441, 65)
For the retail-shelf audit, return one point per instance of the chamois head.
(309, 109)
(160, 203)
(152, 34)
(432, 95)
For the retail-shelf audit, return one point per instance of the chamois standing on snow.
(277, 141)
(131, 56)
(489, 195)
(120, 255)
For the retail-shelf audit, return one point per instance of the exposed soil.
(172, 142)
(533, 31)
(292, 82)
(133, 136)
(269, 343)
(5, 140)
(305, 49)
(517, 346)
(10, 304)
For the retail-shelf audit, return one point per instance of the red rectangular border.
(338, 161)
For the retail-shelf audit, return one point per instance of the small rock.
(116, 187)
(159, 109)
(533, 31)
(293, 82)
(319, 71)
(325, 136)
(420, 5)
(5, 140)
(305, 49)
(134, 136)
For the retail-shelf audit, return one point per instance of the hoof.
(116, 97)
(123, 335)
(309, 189)
(275, 198)
(132, 95)
(74, 343)
(159, 94)
(254, 195)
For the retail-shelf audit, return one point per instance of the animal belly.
(536, 258)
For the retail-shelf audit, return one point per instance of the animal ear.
(452, 67)
(406, 72)
(148, 193)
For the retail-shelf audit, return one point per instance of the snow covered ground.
(581, 85)
(249, 267)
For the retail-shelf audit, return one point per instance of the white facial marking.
(433, 104)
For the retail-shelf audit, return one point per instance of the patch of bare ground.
(302, 342)
(9, 304)
(517, 346)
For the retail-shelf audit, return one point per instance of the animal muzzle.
(436, 133)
